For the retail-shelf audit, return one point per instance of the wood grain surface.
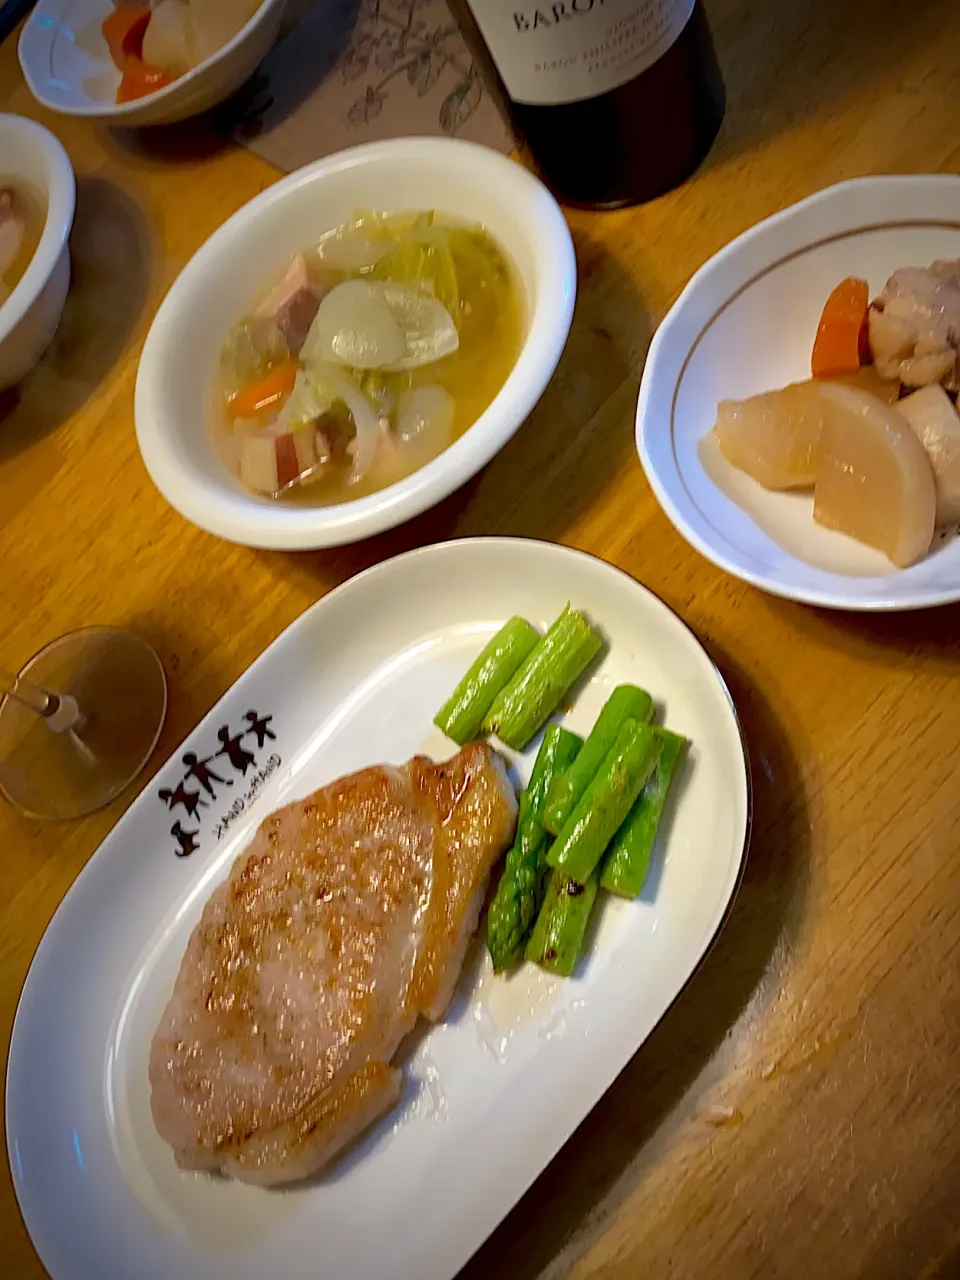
(827, 1018)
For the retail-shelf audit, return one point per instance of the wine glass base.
(121, 690)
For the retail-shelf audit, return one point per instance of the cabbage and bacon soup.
(22, 218)
(374, 352)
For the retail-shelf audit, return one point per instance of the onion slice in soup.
(355, 326)
(428, 327)
(424, 423)
(374, 324)
(363, 448)
(358, 247)
(315, 392)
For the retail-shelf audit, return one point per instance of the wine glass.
(79, 722)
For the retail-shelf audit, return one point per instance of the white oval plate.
(745, 323)
(495, 1089)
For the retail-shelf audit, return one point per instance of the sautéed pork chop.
(346, 919)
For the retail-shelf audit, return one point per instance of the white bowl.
(68, 67)
(216, 287)
(745, 323)
(30, 316)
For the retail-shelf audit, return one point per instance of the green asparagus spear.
(557, 753)
(515, 904)
(461, 716)
(520, 890)
(562, 923)
(536, 690)
(607, 801)
(627, 860)
(626, 702)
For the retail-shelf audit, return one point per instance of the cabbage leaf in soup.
(412, 325)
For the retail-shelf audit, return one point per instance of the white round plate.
(68, 68)
(745, 323)
(497, 1087)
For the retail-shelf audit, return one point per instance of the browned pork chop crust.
(347, 917)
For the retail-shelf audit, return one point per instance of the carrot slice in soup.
(258, 396)
(124, 30)
(139, 79)
(840, 341)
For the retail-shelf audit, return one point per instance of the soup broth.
(22, 219)
(375, 351)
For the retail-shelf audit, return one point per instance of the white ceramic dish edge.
(743, 259)
(200, 89)
(30, 316)
(219, 505)
(616, 1042)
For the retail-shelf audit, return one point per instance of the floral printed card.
(351, 71)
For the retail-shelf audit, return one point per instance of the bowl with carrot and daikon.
(798, 414)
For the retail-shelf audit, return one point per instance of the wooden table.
(828, 1015)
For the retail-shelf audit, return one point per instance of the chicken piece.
(915, 326)
(948, 268)
(346, 919)
(293, 304)
(937, 424)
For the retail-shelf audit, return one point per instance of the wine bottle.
(617, 100)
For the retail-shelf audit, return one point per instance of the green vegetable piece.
(607, 801)
(515, 904)
(627, 861)
(557, 753)
(561, 926)
(429, 265)
(520, 890)
(461, 716)
(626, 702)
(535, 692)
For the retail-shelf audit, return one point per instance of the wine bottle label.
(575, 49)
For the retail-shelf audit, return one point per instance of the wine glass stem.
(37, 699)
(60, 713)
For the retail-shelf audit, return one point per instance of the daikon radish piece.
(932, 416)
(773, 436)
(874, 479)
(168, 40)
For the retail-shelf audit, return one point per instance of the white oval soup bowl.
(31, 315)
(459, 179)
(746, 323)
(68, 68)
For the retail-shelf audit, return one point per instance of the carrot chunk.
(124, 30)
(139, 79)
(839, 344)
(258, 396)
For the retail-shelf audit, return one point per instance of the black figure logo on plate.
(187, 840)
(239, 757)
(180, 795)
(198, 769)
(260, 726)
